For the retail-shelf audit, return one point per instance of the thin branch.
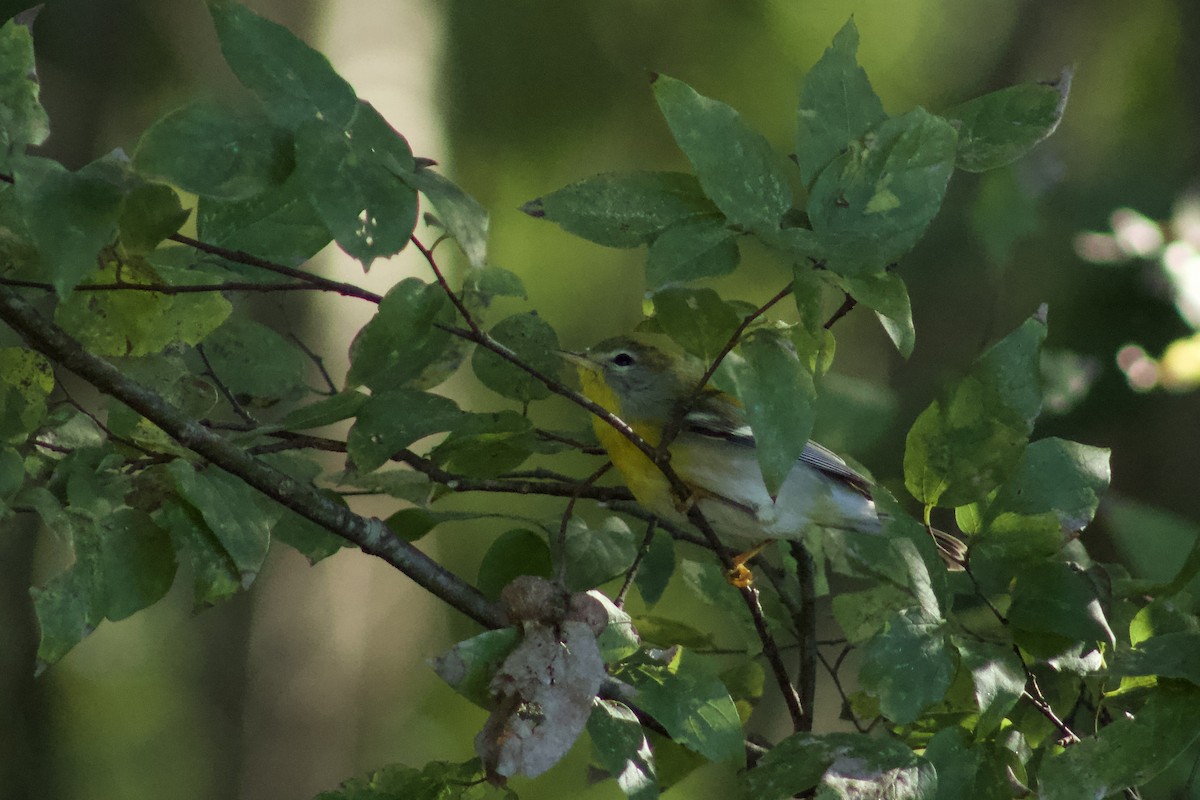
(845, 308)
(318, 362)
(132, 445)
(805, 621)
(242, 257)
(631, 573)
(223, 389)
(167, 288)
(834, 671)
(1032, 692)
(463, 311)
(560, 571)
(371, 535)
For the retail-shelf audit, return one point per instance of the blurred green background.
(317, 674)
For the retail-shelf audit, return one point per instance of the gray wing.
(814, 455)
(831, 463)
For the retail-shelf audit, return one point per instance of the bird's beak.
(580, 360)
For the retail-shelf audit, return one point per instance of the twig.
(806, 631)
(675, 424)
(834, 671)
(167, 288)
(318, 362)
(1032, 691)
(560, 571)
(242, 257)
(631, 573)
(132, 445)
(463, 311)
(845, 308)
(223, 389)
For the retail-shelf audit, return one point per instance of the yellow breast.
(640, 474)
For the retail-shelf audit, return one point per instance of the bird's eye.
(622, 359)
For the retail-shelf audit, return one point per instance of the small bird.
(645, 380)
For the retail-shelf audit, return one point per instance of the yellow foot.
(739, 574)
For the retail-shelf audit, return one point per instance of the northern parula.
(644, 380)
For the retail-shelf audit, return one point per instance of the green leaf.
(886, 295)
(1168, 655)
(1151, 540)
(736, 166)
(12, 474)
(871, 767)
(326, 411)
(410, 524)
(390, 421)
(998, 678)
(123, 563)
(300, 533)
(1008, 543)
(402, 340)
(487, 445)
(697, 319)
(1129, 752)
(492, 281)
(619, 639)
(135, 564)
(279, 225)
(26, 380)
(352, 176)
(1000, 127)
(64, 613)
(622, 749)
(149, 214)
(254, 361)
(402, 484)
(863, 614)
(686, 696)
(215, 152)
(698, 247)
(968, 442)
(1053, 598)
(623, 209)
(778, 395)
(1056, 476)
(468, 667)
(533, 340)
(23, 121)
(875, 200)
(514, 553)
(1161, 616)
(437, 780)
(92, 482)
(597, 554)
(907, 666)
(136, 322)
(71, 215)
(232, 512)
(965, 770)
(465, 219)
(214, 575)
(294, 82)
(837, 105)
(657, 567)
